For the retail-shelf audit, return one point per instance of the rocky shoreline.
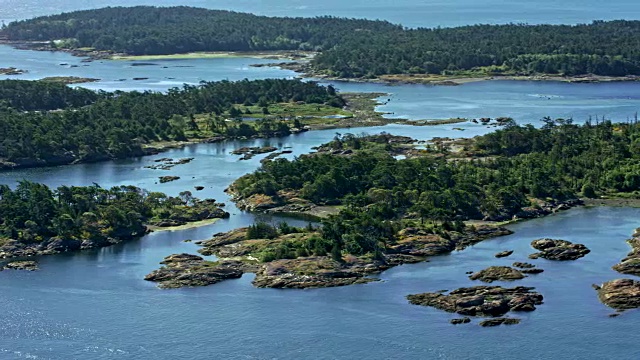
(624, 294)
(200, 210)
(306, 70)
(57, 245)
(630, 265)
(482, 301)
(240, 253)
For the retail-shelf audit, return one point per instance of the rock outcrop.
(562, 250)
(185, 270)
(620, 294)
(21, 265)
(505, 253)
(523, 265)
(464, 320)
(497, 273)
(631, 264)
(487, 301)
(166, 179)
(499, 321)
(311, 273)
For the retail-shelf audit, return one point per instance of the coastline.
(362, 105)
(299, 63)
(305, 70)
(187, 226)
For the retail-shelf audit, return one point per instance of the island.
(379, 211)
(283, 256)
(37, 220)
(74, 125)
(340, 48)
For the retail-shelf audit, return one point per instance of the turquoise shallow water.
(95, 305)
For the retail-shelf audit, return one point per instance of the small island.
(68, 80)
(41, 221)
(483, 301)
(11, 71)
(296, 258)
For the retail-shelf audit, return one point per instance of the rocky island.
(482, 301)
(551, 249)
(620, 294)
(286, 257)
(497, 273)
(631, 264)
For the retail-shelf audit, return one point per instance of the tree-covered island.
(388, 211)
(348, 48)
(47, 123)
(37, 220)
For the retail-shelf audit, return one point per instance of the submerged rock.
(523, 265)
(495, 273)
(621, 294)
(532, 271)
(489, 301)
(22, 265)
(166, 179)
(551, 249)
(499, 321)
(504, 253)
(464, 320)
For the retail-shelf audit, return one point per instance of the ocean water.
(96, 305)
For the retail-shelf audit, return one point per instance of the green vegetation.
(121, 124)
(145, 30)
(35, 219)
(601, 48)
(349, 48)
(509, 172)
(34, 95)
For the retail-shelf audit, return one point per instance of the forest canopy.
(35, 219)
(350, 48)
(512, 169)
(89, 126)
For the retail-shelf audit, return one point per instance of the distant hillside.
(145, 30)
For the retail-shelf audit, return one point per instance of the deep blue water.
(95, 305)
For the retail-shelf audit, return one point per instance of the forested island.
(348, 48)
(446, 197)
(46, 123)
(426, 202)
(37, 220)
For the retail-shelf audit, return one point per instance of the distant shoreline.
(299, 63)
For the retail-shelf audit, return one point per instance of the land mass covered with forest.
(451, 195)
(47, 123)
(37, 220)
(348, 48)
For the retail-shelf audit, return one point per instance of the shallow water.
(525, 101)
